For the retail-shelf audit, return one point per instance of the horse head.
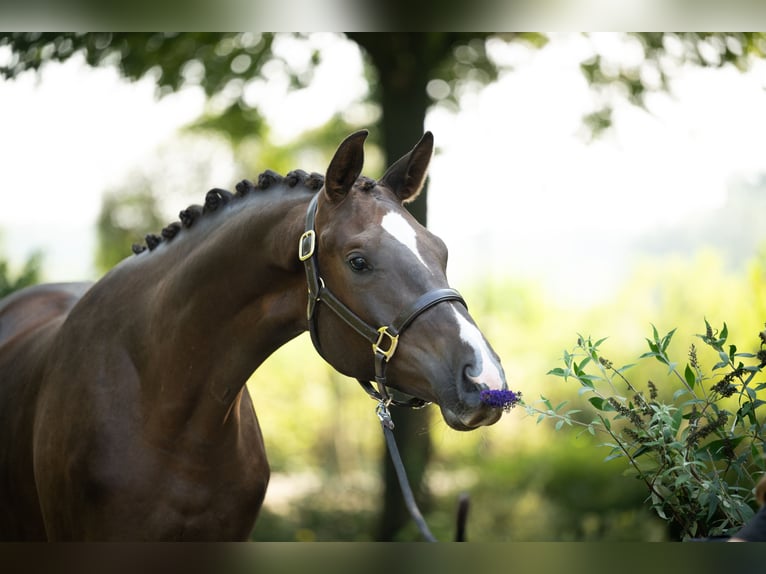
(384, 275)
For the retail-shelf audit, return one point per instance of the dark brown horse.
(124, 413)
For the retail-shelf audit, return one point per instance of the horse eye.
(359, 264)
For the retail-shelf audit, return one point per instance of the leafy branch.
(696, 450)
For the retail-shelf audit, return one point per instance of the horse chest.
(136, 488)
(153, 497)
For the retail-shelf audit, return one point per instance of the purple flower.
(504, 399)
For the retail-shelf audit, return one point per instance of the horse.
(124, 410)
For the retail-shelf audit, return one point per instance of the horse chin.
(470, 421)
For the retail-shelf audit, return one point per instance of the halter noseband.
(384, 339)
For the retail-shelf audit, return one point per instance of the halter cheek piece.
(384, 339)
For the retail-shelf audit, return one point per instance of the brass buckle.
(393, 340)
(305, 252)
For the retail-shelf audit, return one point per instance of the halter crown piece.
(384, 339)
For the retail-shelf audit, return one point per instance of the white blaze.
(395, 224)
(490, 374)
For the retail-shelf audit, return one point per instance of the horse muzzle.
(471, 410)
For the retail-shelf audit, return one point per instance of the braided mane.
(217, 198)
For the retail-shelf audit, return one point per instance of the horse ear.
(408, 174)
(345, 166)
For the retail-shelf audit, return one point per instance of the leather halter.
(384, 339)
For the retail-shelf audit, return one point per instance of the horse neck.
(226, 297)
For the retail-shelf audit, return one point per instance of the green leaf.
(597, 402)
(598, 343)
(690, 376)
(746, 410)
(559, 424)
(558, 372)
(580, 369)
(677, 417)
(641, 450)
(708, 328)
(712, 502)
(682, 479)
(586, 381)
(626, 367)
(666, 340)
(614, 455)
(717, 449)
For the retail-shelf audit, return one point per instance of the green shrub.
(695, 439)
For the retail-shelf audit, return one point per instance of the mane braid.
(152, 241)
(366, 184)
(217, 198)
(189, 215)
(243, 188)
(171, 230)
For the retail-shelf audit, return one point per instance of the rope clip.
(384, 415)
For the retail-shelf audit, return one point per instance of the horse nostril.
(470, 383)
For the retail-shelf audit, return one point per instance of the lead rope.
(409, 499)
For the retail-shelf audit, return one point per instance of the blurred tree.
(401, 67)
(126, 216)
(655, 58)
(29, 275)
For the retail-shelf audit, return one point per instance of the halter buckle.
(393, 341)
(307, 245)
